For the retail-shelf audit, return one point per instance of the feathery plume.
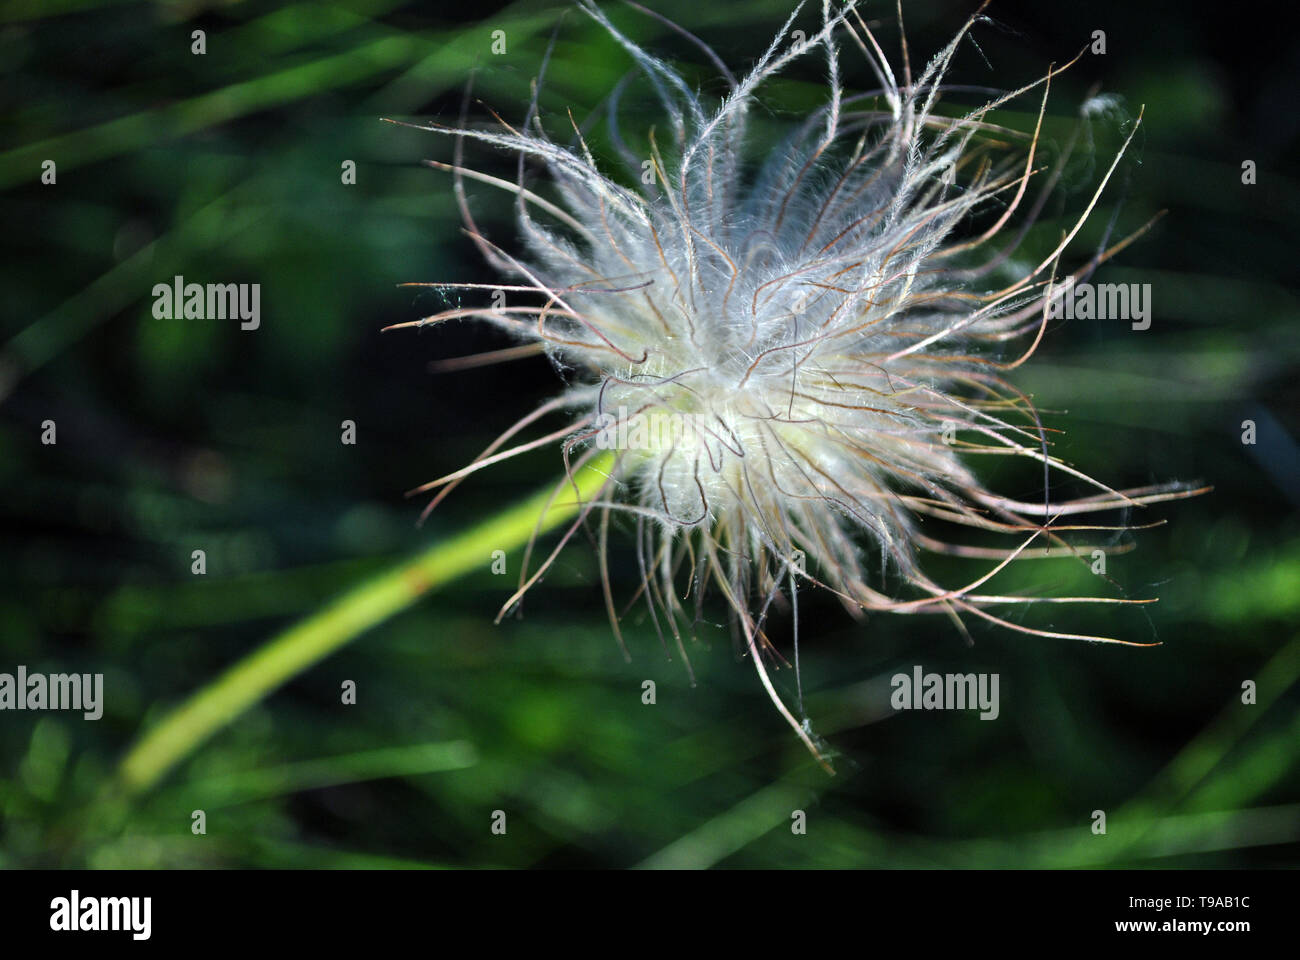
(791, 361)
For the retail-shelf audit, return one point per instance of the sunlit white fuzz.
(823, 345)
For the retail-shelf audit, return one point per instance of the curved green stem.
(313, 639)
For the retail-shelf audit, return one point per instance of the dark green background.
(175, 435)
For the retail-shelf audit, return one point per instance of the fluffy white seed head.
(792, 358)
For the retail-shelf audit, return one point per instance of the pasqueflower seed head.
(788, 351)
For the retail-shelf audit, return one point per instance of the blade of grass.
(267, 782)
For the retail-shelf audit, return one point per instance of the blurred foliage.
(178, 435)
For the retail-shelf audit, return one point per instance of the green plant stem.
(311, 640)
